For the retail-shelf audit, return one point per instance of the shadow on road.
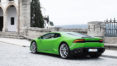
(46, 54)
(73, 58)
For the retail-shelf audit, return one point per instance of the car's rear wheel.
(64, 51)
(33, 47)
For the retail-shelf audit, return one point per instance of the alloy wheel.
(64, 51)
(33, 47)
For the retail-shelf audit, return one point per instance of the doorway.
(1, 23)
(12, 18)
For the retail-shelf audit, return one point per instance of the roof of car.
(60, 32)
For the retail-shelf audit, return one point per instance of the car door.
(45, 41)
(53, 41)
(48, 41)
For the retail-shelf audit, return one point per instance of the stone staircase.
(10, 35)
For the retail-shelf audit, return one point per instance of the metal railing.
(111, 28)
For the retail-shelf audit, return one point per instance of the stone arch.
(11, 4)
(12, 17)
(2, 8)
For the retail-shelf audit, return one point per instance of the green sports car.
(68, 44)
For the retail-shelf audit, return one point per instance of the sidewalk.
(110, 53)
(20, 42)
(26, 43)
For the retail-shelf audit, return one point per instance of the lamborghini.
(68, 44)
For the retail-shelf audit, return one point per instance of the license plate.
(92, 50)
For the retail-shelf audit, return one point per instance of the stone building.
(14, 15)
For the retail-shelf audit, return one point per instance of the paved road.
(12, 55)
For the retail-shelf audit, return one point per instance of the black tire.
(33, 47)
(95, 55)
(64, 53)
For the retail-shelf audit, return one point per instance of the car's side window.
(46, 36)
(50, 36)
(56, 35)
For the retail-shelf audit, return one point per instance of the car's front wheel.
(33, 47)
(64, 51)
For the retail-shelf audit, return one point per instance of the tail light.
(83, 40)
(78, 40)
(101, 40)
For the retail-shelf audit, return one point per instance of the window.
(57, 35)
(89, 27)
(47, 36)
(100, 28)
(94, 27)
(50, 36)
(11, 0)
(12, 20)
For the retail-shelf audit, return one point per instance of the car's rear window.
(77, 34)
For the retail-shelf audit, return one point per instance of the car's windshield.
(78, 34)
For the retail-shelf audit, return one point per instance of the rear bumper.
(86, 50)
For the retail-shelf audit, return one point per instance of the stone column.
(5, 28)
(24, 15)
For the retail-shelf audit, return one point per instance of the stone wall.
(36, 32)
(110, 40)
(96, 29)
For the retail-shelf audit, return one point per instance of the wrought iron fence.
(111, 28)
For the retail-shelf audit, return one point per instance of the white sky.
(66, 12)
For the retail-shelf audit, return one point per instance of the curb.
(25, 37)
(111, 47)
(109, 56)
